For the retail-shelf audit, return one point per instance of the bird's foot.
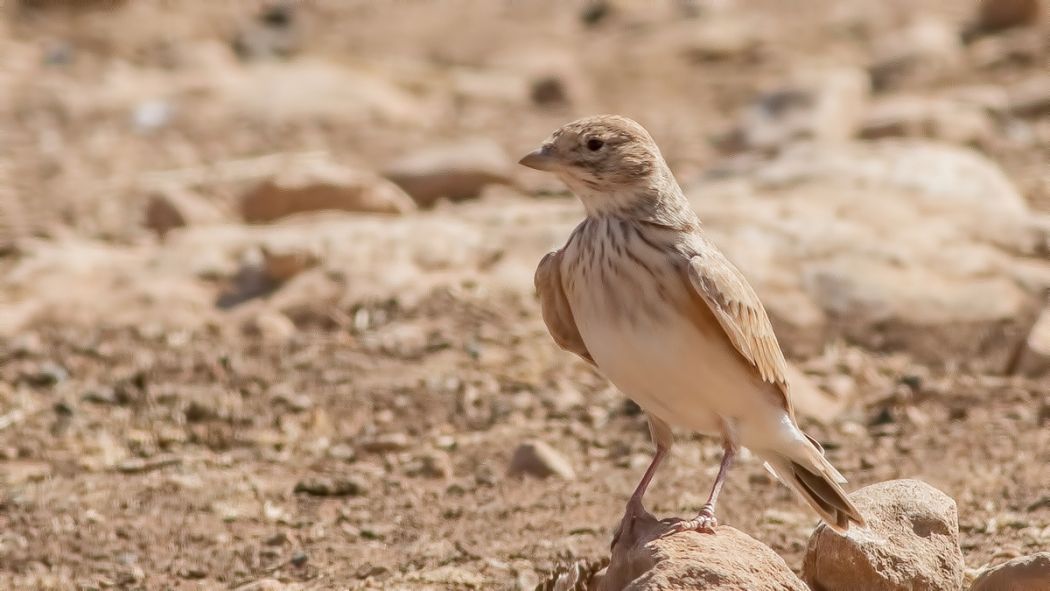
(704, 522)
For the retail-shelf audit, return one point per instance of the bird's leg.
(635, 508)
(705, 520)
(663, 439)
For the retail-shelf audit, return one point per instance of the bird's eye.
(595, 144)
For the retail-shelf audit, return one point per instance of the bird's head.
(604, 159)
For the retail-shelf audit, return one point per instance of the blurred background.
(266, 298)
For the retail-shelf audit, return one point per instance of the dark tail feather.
(826, 496)
(820, 491)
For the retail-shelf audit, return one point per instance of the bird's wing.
(738, 310)
(556, 311)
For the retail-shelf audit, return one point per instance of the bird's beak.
(540, 159)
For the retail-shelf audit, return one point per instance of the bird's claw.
(704, 522)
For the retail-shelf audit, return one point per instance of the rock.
(321, 185)
(996, 15)
(282, 264)
(453, 171)
(387, 442)
(826, 106)
(911, 542)
(271, 326)
(1027, 573)
(1030, 98)
(643, 559)
(912, 116)
(536, 458)
(167, 209)
(923, 247)
(325, 486)
(925, 49)
(1034, 356)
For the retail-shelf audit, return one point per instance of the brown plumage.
(642, 294)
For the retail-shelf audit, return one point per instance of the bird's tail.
(817, 482)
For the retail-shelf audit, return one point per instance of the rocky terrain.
(266, 307)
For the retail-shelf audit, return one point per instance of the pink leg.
(705, 520)
(635, 508)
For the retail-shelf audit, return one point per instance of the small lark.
(640, 292)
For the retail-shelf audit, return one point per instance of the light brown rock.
(536, 458)
(321, 185)
(281, 264)
(167, 209)
(911, 542)
(995, 15)
(646, 559)
(452, 171)
(1027, 573)
(1034, 356)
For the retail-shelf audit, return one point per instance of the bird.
(641, 293)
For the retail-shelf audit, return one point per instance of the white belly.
(671, 370)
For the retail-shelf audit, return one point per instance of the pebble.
(536, 458)
(326, 486)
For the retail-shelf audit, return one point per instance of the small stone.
(281, 264)
(434, 464)
(176, 207)
(452, 171)
(299, 559)
(140, 465)
(1027, 573)
(271, 326)
(387, 442)
(536, 458)
(48, 374)
(342, 451)
(327, 486)
(911, 541)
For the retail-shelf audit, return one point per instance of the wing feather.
(740, 313)
(557, 314)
